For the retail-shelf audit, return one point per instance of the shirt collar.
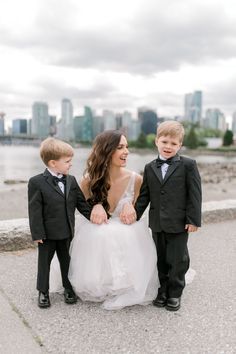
(59, 175)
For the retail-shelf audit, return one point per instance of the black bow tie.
(160, 162)
(56, 180)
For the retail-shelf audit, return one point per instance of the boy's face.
(168, 146)
(62, 165)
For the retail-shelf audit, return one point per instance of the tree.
(150, 141)
(228, 138)
(191, 139)
(141, 141)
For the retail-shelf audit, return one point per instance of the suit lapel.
(68, 184)
(49, 180)
(157, 171)
(172, 168)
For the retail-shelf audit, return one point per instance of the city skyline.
(117, 56)
(193, 113)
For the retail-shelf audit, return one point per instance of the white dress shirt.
(164, 167)
(60, 184)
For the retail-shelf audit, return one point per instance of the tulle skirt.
(113, 263)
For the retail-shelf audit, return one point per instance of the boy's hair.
(172, 128)
(54, 149)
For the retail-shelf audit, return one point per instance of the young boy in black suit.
(53, 197)
(172, 186)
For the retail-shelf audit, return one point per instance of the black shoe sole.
(170, 308)
(43, 306)
(158, 304)
(70, 302)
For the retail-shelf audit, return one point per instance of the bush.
(228, 138)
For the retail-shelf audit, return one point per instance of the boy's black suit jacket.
(174, 201)
(51, 212)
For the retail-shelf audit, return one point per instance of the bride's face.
(119, 157)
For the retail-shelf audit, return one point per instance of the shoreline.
(218, 183)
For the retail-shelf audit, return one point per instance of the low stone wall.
(15, 234)
(213, 212)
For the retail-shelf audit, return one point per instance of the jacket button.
(162, 192)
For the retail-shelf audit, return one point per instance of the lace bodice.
(128, 196)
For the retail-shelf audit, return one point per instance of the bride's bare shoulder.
(138, 177)
(84, 185)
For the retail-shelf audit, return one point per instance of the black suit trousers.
(46, 251)
(172, 261)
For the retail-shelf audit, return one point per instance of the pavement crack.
(22, 319)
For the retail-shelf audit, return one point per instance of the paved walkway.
(206, 322)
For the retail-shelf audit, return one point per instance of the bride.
(112, 263)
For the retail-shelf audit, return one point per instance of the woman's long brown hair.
(98, 166)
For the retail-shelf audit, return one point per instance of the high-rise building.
(98, 125)
(148, 120)
(124, 123)
(40, 120)
(52, 125)
(109, 119)
(88, 124)
(2, 123)
(234, 123)
(19, 126)
(215, 119)
(83, 126)
(193, 107)
(67, 119)
(135, 130)
(78, 127)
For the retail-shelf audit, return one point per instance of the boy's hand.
(191, 228)
(98, 215)
(128, 214)
(38, 241)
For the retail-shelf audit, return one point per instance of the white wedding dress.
(112, 263)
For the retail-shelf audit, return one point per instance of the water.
(22, 162)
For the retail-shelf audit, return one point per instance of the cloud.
(158, 39)
(116, 55)
(222, 95)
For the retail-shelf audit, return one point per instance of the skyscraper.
(67, 119)
(109, 119)
(215, 119)
(40, 120)
(2, 123)
(193, 107)
(19, 126)
(234, 123)
(148, 120)
(83, 126)
(88, 124)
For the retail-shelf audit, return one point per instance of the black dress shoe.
(43, 300)
(160, 300)
(69, 296)
(173, 304)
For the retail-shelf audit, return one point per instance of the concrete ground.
(206, 322)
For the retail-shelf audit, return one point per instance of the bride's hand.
(98, 215)
(128, 214)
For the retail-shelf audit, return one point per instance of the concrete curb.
(15, 234)
(213, 212)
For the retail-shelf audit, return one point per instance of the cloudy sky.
(117, 54)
